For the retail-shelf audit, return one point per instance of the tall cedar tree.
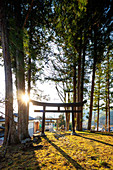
(20, 66)
(10, 126)
(93, 77)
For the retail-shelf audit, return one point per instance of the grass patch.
(61, 150)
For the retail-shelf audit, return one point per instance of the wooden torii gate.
(59, 110)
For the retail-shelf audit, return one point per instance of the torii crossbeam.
(59, 110)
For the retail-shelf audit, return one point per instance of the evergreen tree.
(10, 126)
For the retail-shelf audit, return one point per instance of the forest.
(67, 42)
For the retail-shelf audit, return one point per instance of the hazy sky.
(48, 88)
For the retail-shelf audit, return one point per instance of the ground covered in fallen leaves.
(61, 150)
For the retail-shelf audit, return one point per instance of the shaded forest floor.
(61, 151)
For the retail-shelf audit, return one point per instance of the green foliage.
(55, 34)
(61, 121)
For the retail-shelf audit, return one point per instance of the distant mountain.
(102, 118)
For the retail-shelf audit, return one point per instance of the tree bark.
(74, 92)
(79, 91)
(98, 105)
(22, 108)
(108, 93)
(79, 115)
(93, 79)
(68, 115)
(108, 109)
(106, 114)
(82, 81)
(92, 92)
(29, 70)
(10, 127)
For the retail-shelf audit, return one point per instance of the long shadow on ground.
(94, 140)
(74, 163)
(98, 133)
(80, 135)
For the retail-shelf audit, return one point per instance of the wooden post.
(73, 122)
(43, 122)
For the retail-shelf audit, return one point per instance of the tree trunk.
(29, 71)
(98, 105)
(10, 127)
(108, 109)
(22, 108)
(79, 115)
(91, 99)
(29, 88)
(82, 81)
(79, 91)
(98, 115)
(65, 108)
(106, 114)
(68, 115)
(108, 93)
(74, 92)
(93, 79)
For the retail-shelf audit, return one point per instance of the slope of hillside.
(61, 150)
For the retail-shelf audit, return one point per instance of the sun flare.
(25, 98)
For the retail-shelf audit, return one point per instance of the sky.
(47, 88)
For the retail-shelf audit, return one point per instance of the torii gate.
(59, 110)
